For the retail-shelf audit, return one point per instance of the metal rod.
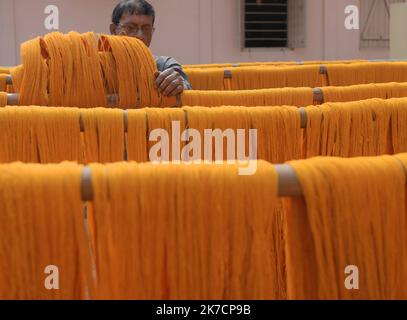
(179, 101)
(81, 123)
(304, 117)
(318, 95)
(125, 121)
(86, 184)
(12, 100)
(112, 100)
(323, 69)
(228, 73)
(288, 183)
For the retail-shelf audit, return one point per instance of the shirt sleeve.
(164, 63)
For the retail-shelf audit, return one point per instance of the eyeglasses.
(133, 30)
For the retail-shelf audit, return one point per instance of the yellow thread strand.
(42, 214)
(103, 135)
(195, 243)
(358, 219)
(3, 99)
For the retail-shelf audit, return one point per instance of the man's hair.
(141, 7)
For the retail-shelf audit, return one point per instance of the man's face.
(135, 25)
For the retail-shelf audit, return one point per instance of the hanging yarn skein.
(3, 82)
(81, 70)
(3, 99)
(357, 222)
(196, 242)
(42, 228)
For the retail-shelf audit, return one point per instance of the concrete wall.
(192, 31)
(398, 27)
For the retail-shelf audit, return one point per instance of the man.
(135, 18)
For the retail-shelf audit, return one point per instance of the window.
(274, 23)
(266, 23)
(375, 23)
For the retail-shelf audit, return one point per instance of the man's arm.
(170, 78)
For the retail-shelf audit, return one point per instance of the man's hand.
(169, 82)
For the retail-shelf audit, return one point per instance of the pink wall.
(192, 31)
(340, 43)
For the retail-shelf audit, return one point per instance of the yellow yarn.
(363, 73)
(135, 72)
(141, 123)
(17, 75)
(34, 81)
(278, 129)
(3, 82)
(398, 125)
(365, 91)
(358, 218)
(279, 133)
(75, 74)
(248, 98)
(240, 64)
(162, 119)
(3, 99)
(273, 63)
(109, 70)
(276, 77)
(75, 70)
(278, 140)
(206, 79)
(137, 136)
(42, 225)
(195, 242)
(292, 95)
(49, 135)
(103, 136)
(257, 77)
(4, 70)
(362, 128)
(39, 135)
(222, 118)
